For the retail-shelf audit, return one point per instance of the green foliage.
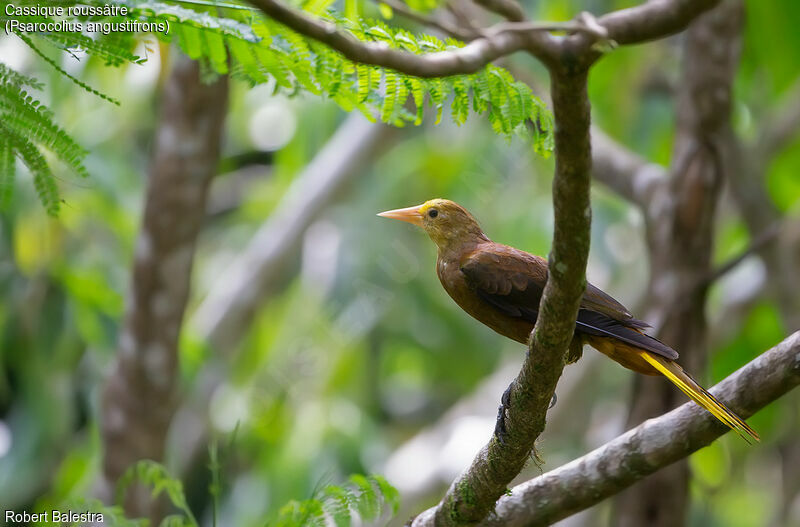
(258, 50)
(152, 474)
(63, 72)
(263, 49)
(367, 496)
(25, 126)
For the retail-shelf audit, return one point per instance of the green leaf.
(390, 99)
(366, 501)
(190, 41)
(7, 173)
(390, 494)
(152, 474)
(217, 54)
(43, 179)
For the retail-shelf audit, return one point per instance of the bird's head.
(447, 223)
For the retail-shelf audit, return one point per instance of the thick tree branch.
(652, 20)
(650, 446)
(469, 59)
(139, 394)
(473, 495)
(655, 19)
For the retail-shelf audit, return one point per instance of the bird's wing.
(512, 282)
(595, 299)
(508, 279)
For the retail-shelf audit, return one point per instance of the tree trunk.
(138, 399)
(680, 238)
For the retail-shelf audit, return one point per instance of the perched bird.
(501, 287)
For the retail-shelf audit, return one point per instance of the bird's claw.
(500, 431)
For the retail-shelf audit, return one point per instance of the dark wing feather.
(594, 323)
(595, 299)
(512, 282)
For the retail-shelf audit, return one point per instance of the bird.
(501, 286)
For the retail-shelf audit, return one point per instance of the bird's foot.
(575, 351)
(500, 431)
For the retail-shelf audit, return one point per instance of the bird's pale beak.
(408, 214)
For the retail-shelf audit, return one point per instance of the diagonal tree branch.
(224, 315)
(759, 242)
(782, 126)
(627, 174)
(509, 9)
(469, 59)
(653, 20)
(654, 444)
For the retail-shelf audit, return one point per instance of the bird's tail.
(672, 371)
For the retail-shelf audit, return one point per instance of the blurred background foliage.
(359, 350)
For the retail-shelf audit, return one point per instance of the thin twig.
(431, 21)
(760, 241)
(508, 9)
(457, 10)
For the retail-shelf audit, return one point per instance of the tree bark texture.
(680, 226)
(138, 398)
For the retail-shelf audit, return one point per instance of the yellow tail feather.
(698, 394)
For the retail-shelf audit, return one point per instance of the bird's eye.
(433, 213)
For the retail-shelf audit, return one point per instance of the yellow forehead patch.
(433, 203)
